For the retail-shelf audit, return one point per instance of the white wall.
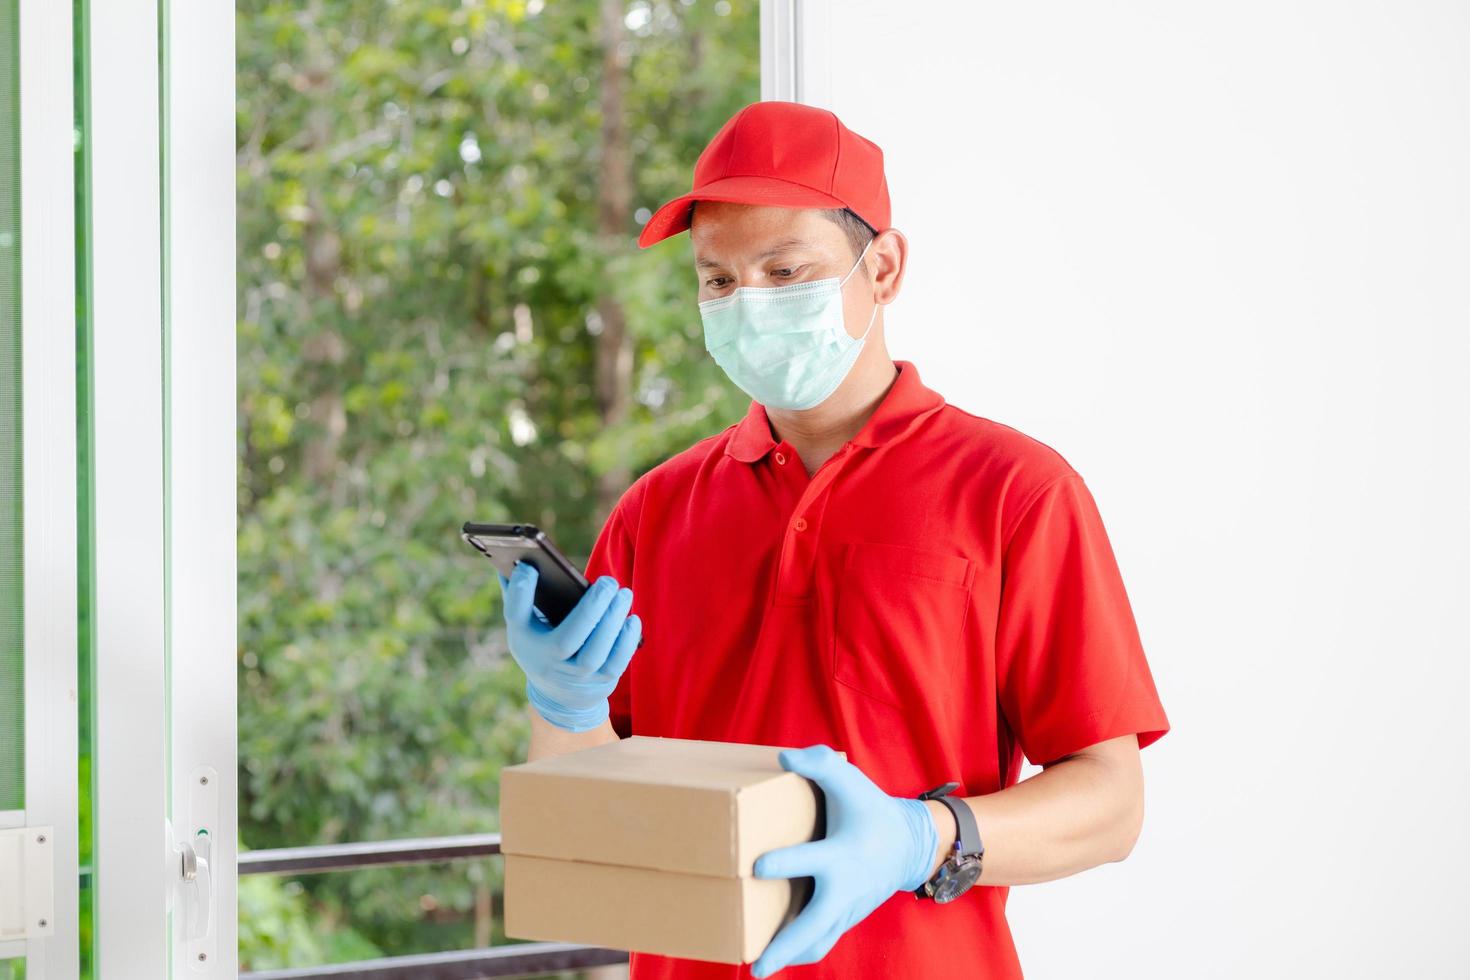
(1217, 256)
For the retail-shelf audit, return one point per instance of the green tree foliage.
(421, 272)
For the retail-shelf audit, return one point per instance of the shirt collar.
(907, 402)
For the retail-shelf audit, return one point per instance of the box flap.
(683, 762)
(681, 805)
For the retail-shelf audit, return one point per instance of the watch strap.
(969, 832)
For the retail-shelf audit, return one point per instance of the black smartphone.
(558, 585)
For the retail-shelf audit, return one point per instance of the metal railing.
(316, 858)
(510, 960)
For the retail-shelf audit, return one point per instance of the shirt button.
(781, 458)
(800, 524)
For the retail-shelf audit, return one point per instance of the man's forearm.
(548, 740)
(1078, 813)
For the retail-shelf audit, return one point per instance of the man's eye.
(785, 273)
(716, 283)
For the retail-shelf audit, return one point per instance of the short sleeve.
(612, 554)
(1070, 665)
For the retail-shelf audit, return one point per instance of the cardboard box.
(647, 844)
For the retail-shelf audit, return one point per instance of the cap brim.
(673, 217)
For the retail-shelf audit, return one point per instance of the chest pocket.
(900, 616)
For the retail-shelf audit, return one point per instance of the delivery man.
(859, 566)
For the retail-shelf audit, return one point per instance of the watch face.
(956, 879)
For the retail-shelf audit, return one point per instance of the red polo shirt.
(939, 600)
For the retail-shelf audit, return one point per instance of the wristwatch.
(962, 868)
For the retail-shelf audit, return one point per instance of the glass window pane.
(438, 207)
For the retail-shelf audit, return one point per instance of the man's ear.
(888, 258)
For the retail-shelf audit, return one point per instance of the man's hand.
(876, 844)
(572, 667)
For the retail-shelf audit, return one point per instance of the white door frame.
(163, 434)
(126, 421)
(200, 452)
(49, 488)
(795, 46)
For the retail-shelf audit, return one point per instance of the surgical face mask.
(786, 346)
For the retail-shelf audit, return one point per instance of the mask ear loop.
(855, 265)
(872, 318)
(874, 315)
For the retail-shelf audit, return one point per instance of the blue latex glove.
(572, 667)
(876, 844)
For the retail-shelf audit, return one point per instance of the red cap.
(782, 154)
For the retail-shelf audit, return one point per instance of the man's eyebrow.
(785, 245)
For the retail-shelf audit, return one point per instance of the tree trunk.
(614, 358)
(324, 350)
